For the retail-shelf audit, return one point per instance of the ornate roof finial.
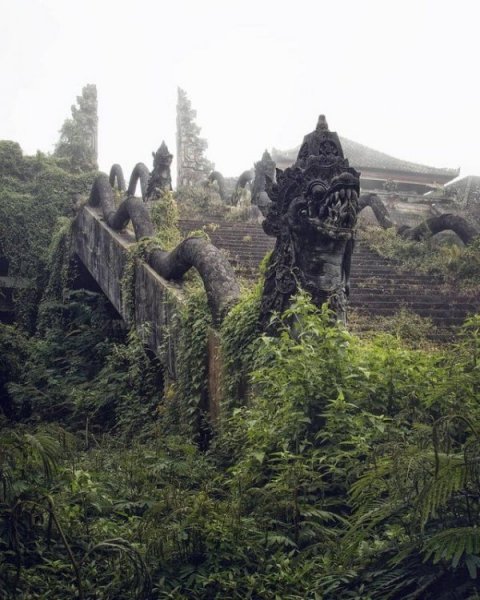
(162, 152)
(322, 123)
(266, 156)
(320, 143)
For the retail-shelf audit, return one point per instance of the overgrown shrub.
(195, 202)
(35, 191)
(343, 468)
(443, 256)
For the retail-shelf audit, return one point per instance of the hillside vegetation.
(341, 467)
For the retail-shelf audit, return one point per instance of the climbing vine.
(185, 382)
(136, 252)
(239, 334)
(61, 273)
(192, 362)
(164, 213)
(239, 339)
(59, 259)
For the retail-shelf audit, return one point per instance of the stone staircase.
(378, 287)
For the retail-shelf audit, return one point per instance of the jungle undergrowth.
(281, 503)
(343, 468)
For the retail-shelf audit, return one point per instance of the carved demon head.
(313, 216)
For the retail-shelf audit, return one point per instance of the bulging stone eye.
(298, 208)
(303, 211)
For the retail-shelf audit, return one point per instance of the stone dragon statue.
(218, 277)
(465, 230)
(151, 183)
(230, 190)
(160, 178)
(312, 213)
(264, 171)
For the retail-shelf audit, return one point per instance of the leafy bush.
(165, 218)
(343, 467)
(200, 201)
(351, 471)
(34, 193)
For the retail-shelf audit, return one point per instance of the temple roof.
(467, 188)
(461, 184)
(360, 156)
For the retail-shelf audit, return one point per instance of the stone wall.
(104, 252)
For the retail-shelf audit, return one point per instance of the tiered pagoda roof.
(370, 161)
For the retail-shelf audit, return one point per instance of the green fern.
(453, 544)
(438, 492)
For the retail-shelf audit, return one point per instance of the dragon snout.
(339, 208)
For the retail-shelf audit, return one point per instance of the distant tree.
(193, 167)
(11, 156)
(78, 135)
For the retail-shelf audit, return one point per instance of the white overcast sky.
(400, 76)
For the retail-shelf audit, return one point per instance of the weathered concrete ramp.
(104, 252)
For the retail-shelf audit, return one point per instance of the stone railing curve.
(116, 177)
(427, 228)
(216, 176)
(218, 277)
(140, 173)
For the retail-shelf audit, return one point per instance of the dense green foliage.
(444, 256)
(199, 201)
(35, 191)
(351, 471)
(204, 201)
(341, 468)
